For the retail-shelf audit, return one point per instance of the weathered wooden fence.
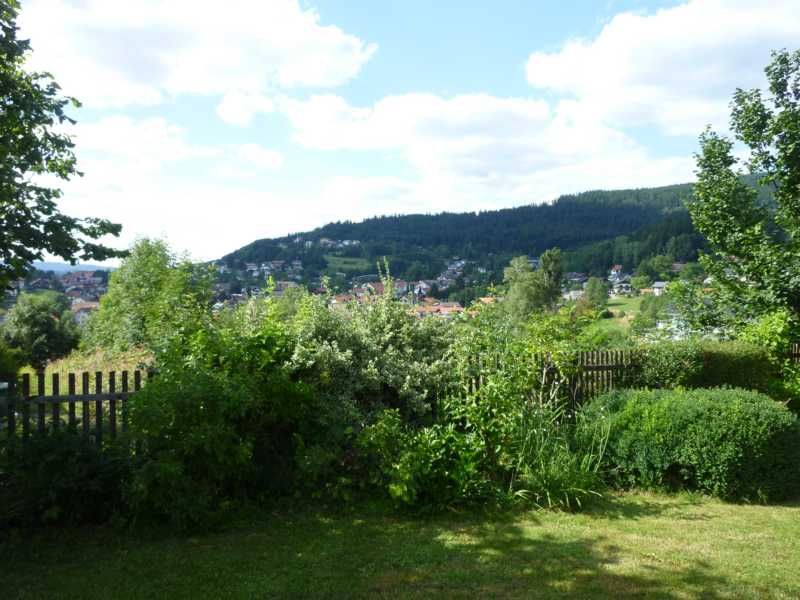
(596, 372)
(94, 405)
(602, 371)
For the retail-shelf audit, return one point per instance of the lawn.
(642, 546)
(347, 264)
(620, 323)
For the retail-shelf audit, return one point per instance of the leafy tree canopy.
(755, 246)
(150, 293)
(530, 291)
(32, 147)
(41, 327)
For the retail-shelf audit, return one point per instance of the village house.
(659, 287)
(622, 288)
(573, 295)
(421, 288)
(677, 267)
(82, 311)
(445, 310)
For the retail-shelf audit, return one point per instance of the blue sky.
(213, 125)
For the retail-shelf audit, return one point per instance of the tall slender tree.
(755, 246)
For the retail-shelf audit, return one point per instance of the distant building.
(659, 287)
(573, 295)
(82, 311)
(615, 273)
(622, 288)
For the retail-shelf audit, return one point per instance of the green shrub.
(669, 364)
(735, 364)
(10, 362)
(732, 443)
(60, 478)
(217, 424)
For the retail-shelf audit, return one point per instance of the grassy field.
(346, 264)
(625, 310)
(633, 546)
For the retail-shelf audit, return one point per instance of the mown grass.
(349, 264)
(640, 546)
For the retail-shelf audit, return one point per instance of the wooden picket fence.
(597, 372)
(602, 371)
(98, 408)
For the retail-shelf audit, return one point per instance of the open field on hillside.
(346, 264)
(625, 310)
(637, 545)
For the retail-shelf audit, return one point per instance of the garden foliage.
(60, 478)
(732, 443)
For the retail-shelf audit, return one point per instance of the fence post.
(40, 414)
(125, 402)
(85, 403)
(56, 405)
(112, 405)
(98, 407)
(26, 406)
(71, 392)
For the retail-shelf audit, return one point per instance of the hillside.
(594, 229)
(418, 245)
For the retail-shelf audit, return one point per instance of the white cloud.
(260, 157)
(238, 108)
(114, 54)
(480, 151)
(147, 142)
(676, 69)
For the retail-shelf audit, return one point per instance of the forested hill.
(569, 222)
(417, 244)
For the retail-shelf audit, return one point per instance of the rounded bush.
(669, 364)
(731, 443)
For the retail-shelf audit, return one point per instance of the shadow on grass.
(312, 553)
(642, 506)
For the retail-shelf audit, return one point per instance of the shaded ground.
(635, 546)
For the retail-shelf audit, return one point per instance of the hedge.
(732, 443)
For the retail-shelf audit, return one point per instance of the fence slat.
(71, 407)
(40, 409)
(98, 407)
(124, 401)
(112, 405)
(56, 405)
(85, 404)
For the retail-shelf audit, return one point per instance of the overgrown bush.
(503, 435)
(10, 362)
(60, 478)
(732, 443)
(216, 425)
(669, 364)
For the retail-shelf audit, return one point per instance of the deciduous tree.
(33, 146)
(755, 247)
(41, 327)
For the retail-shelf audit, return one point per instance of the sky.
(214, 124)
